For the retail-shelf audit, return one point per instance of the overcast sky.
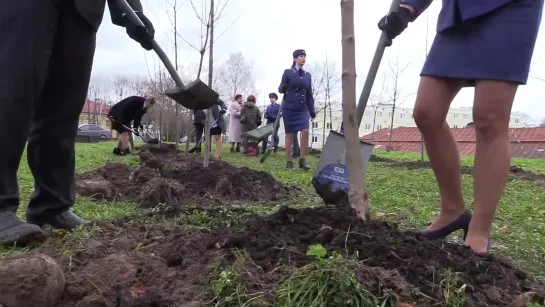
(267, 32)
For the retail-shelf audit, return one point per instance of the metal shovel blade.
(194, 96)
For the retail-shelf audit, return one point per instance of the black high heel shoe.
(461, 223)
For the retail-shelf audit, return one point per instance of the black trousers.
(199, 130)
(46, 56)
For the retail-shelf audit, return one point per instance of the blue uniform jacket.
(298, 97)
(272, 112)
(468, 9)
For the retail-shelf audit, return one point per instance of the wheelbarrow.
(195, 95)
(260, 134)
(274, 132)
(332, 164)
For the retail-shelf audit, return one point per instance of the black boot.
(303, 165)
(117, 151)
(12, 229)
(126, 152)
(289, 165)
(198, 150)
(64, 220)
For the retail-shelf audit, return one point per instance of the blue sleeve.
(419, 5)
(266, 115)
(285, 81)
(310, 98)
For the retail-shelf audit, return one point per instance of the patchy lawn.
(405, 196)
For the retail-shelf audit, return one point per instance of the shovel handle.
(383, 42)
(131, 15)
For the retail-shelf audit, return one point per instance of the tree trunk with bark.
(358, 196)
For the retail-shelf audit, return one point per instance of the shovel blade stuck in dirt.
(332, 168)
(196, 95)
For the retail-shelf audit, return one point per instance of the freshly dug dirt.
(135, 267)
(160, 266)
(179, 181)
(30, 280)
(284, 237)
(515, 172)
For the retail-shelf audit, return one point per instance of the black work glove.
(136, 132)
(395, 22)
(328, 193)
(143, 35)
(222, 112)
(283, 88)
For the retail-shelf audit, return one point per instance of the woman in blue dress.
(298, 106)
(486, 44)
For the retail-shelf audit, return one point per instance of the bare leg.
(304, 143)
(289, 144)
(491, 112)
(124, 140)
(432, 103)
(218, 146)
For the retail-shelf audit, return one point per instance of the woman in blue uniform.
(298, 106)
(487, 44)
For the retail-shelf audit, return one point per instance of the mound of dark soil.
(135, 268)
(179, 181)
(284, 237)
(156, 266)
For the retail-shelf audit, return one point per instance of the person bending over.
(130, 109)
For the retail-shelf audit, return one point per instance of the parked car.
(94, 130)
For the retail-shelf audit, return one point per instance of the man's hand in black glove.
(395, 22)
(328, 193)
(222, 111)
(143, 35)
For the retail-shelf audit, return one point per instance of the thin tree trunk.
(177, 132)
(358, 196)
(208, 141)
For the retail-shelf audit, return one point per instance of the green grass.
(407, 197)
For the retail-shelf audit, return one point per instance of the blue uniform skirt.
(496, 46)
(295, 120)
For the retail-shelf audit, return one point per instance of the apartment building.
(377, 118)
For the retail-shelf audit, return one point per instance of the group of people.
(45, 77)
(297, 110)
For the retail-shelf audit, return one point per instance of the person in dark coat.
(298, 107)
(130, 109)
(271, 113)
(250, 119)
(216, 123)
(46, 57)
(486, 44)
(199, 120)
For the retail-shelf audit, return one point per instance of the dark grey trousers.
(46, 56)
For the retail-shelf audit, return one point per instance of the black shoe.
(232, 150)
(461, 223)
(198, 150)
(126, 152)
(12, 229)
(64, 220)
(117, 151)
(289, 165)
(303, 165)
